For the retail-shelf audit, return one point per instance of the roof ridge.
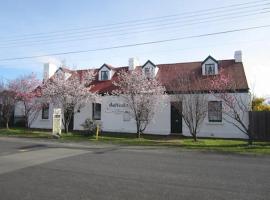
(112, 67)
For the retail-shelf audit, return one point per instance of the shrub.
(90, 126)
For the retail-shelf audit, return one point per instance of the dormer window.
(104, 75)
(105, 72)
(149, 69)
(210, 69)
(209, 66)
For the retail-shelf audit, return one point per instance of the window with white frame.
(96, 111)
(209, 69)
(215, 111)
(104, 75)
(147, 72)
(45, 111)
(126, 116)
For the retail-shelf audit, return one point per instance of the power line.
(163, 27)
(213, 10)
(143, 53)
(139, 44)
(122, 39)
(109, 30)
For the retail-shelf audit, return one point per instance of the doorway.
(176, 117)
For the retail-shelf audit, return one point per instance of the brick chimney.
(238, 56)
(133, 63)
(48, 70)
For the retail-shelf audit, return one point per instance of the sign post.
(97, 132)
(57, 121)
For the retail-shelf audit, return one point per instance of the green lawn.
(21, 132)
(221, 145)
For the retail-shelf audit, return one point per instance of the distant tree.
(70, 92)
(259, 105)
(26, 95)
(235, 105)
(191, 102)
(141, 94)
(2, 85)
(7, 102)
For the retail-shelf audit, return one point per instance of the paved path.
(35, 169)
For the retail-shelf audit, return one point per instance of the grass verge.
(220, 145)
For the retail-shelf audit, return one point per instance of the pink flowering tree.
(69, 91)
(142, 96)
(26, 96)
(236, 105)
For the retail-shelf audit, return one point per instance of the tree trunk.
(7, 127)
(26, 123)
(67, 119)
(250, 138)
(194, 137)
(138, 132)
(250, 141)
(138, 129)
(66, 127)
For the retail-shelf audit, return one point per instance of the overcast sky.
(31, 27)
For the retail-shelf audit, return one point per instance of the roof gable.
(211, 58)
(107, 66)
(148, 62)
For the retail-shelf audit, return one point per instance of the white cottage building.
(111, 113)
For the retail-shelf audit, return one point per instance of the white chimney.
(238, 56)
(133, 63)
(48, 70)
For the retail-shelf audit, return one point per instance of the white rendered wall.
(114, 121)
(80, 117)
(43, 123)
(160, 125)
(222, 129)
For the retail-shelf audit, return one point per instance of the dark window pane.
(45, 111)
(210, 69)
(215, 111)
(96, 111)
(104, 75)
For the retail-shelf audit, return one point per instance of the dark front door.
(71, 123)
(176, 118)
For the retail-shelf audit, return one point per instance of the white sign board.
(116, 107)
(57, 121)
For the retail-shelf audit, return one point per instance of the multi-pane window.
(126, 116)
(147, 72)
(96, 111)
(215, 111)
(104, 75)
(209, 69)
(45, 111)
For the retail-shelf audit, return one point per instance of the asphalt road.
(40, 170)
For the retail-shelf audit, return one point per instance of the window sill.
(45, 120)
(215, 123)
